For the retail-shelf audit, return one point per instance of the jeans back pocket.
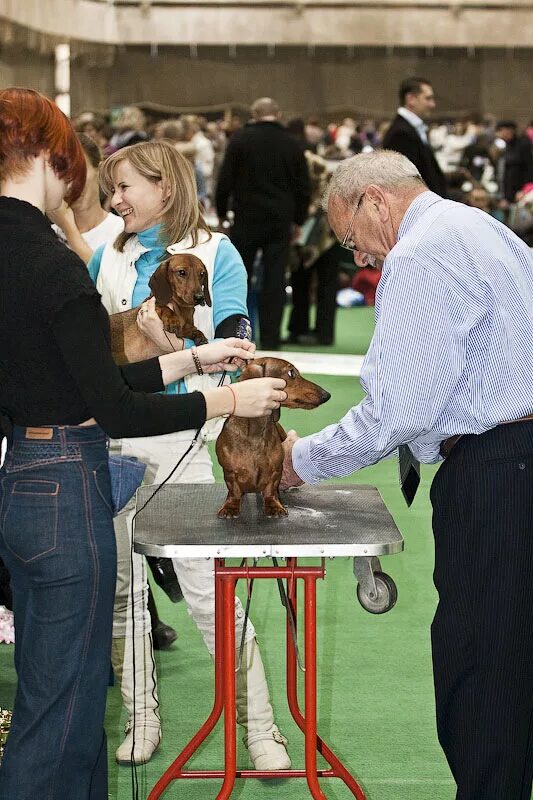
(31, 518)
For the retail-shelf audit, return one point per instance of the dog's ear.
(207, 296)
(159, 284)
(251, 370)
(272, 367)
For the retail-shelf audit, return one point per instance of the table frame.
(226, 578)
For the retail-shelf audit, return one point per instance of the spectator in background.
(129, 129)
(204, 152)
(85, 225)
(477, 158)
(173, 131)
(408, 131)
(265, 173)
(515, 168)
(312, 257)
(314, 133)
(95, 127)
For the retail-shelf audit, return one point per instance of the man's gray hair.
(384, 168)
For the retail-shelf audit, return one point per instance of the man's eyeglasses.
(347, 241)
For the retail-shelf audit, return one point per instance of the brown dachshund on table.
(250, 450)
(180, 282)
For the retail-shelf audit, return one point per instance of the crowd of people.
(475, 159)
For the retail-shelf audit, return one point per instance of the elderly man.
(449, 365)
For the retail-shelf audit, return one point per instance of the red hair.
(31, 123)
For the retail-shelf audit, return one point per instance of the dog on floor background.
(179, 284)
(250, 451)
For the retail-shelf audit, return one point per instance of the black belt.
(447, 445)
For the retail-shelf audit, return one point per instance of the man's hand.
(289, 478)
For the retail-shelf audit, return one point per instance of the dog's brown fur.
(250, 451)
(180, 281)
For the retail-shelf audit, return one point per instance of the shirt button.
(124, 301)
(521, 466)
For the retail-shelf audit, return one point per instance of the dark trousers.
(274, 241)
(326, 270)
(58, 542)
(482, 634)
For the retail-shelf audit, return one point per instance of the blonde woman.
(152, 187)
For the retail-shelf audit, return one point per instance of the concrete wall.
(487, 23)
(330, 81)
(25, 68)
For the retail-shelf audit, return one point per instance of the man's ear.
(159, 284)
(376, 196)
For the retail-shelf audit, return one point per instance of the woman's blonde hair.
(160, 161)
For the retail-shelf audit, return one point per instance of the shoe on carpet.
(163, 636)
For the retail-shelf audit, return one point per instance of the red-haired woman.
(60, 394)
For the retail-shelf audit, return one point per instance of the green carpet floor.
(375, 699)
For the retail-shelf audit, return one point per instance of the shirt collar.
(416, 209)
(150, 237)
(416, 121)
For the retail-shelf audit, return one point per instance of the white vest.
(116, 281)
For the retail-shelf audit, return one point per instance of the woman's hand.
(151, 326)
(228, 354)
(63, 217)
(258, 397)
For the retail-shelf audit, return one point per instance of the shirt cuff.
(302, 464)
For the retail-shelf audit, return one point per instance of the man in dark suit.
(265, 173)
(408, 132)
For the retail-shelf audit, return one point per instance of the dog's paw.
(273, 508)
(229, 511)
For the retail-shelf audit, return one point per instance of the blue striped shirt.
(452, 350)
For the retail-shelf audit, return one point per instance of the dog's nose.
(324, 396)
(199, 299)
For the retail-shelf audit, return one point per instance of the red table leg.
(338, 769)
(310, 689)
(230, 711)
(175, 769)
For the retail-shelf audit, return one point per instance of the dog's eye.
(290, 373)
(182, 273)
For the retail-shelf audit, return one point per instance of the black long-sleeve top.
(56, 366)
(265, 172)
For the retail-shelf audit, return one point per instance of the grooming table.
(326, 521)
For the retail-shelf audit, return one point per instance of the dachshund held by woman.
(179, 284)
(250, 451)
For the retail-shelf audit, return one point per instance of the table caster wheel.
(386, 596)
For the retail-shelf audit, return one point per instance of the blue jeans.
(57, 540)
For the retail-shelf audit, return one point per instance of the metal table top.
(329, 520)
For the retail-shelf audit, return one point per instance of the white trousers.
(195, 575)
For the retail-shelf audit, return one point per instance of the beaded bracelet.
(196, 361)
(227, 386)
